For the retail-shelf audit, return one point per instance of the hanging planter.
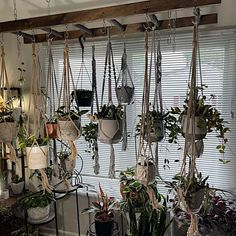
(37, 156)
(67, 164)
(17, 184)
(51, 129)
(199, 148)
(110, 124)
(199, 132)
(125, 94)
(145, 173)
(83, 97)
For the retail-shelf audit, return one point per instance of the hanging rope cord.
(52, 91)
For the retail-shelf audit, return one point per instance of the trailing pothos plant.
(147, 201)
(110, 112)
(90, 133)
(73, 114)
(209, 118)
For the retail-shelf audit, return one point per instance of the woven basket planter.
(109, 131)
(200, 133)
(69, 129)
(17, 188)
(51, 130)
(145, 173)
(37, 157)
(83, 98)
(38, 213)
(8, 132)
(125, 94)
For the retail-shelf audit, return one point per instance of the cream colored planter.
(69, 130)
(8, 132)
(109, 131)
(200, 133)
(145, 173)
(38, 213)
(17, 188)
(37, 157)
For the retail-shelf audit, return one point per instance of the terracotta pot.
(125, 94)
(104, 228)
(145, 173)
(51, 130)
(200, 133)
(37, 157)
(10, 127)
(17, 188)
(83, 98)
(38, 213)
(109, 131)
(69, 130)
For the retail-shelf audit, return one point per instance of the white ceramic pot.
(8, 132)
(69, 130)
(199, 148)
(124, 94)
(109, 131)
(37, 157)
(200, 133)
(17, 188)
(145, 173)
(38, 213)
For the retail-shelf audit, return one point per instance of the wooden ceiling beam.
(131, 28)
(106, 13)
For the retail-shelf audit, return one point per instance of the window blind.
(218, 72)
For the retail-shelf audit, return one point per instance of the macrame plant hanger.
(65, 99)
(109, 62)
(52, 95)
(96, 166)
(192, 170)
(83, 97)
(7, 106)
(155, 61)
(37, 105)
(124, 92)
(145, 168)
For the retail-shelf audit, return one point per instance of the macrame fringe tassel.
(96, 166)
(112, 163)
(12, 150)
(193, 228)
(125, 135)
(45, 183)
(157, 160)
(73, 150)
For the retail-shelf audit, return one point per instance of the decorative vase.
(104, 228)
(157, 132)
(10, 127)
(37, 157)
(38, 213)
(83, 98)
(17, 188)
(200, 133)
(51, 129)
(69, 129)
(109, 131)
(145, 173)
(125, 94)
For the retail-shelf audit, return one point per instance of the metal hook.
(197, 16)
(81, 41)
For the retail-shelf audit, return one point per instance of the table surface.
(7, 203)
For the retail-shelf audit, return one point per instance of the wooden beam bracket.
(118, 24)
(84, 29)
(53, 32)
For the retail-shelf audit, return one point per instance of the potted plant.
(104, 215)
(207, 119)
(149, 216)
(110, 124)
(37, 205)
(82, 97)
(190, 191)
(17, 184)
(51, 128)
(69, 123)
(67, 164)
